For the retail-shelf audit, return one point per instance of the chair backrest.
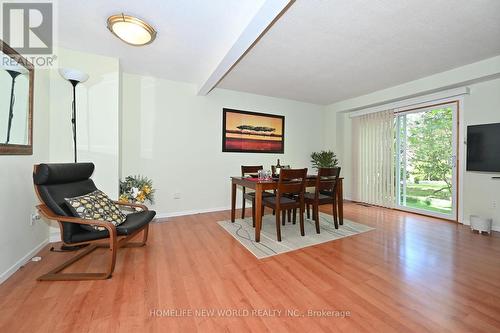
(326, 181)
(249, 169)
(54, 182)
(273, 168)
(292, 181)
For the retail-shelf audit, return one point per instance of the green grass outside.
(423, 196)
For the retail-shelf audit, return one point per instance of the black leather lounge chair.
(53, 183)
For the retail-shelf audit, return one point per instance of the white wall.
(344, 149)
(482, 105)
(175, 138)
(329, 126)
(18, 239)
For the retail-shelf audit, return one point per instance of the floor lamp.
(74, 77)
(14, 73)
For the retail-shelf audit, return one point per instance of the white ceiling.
(323, 51)
(319, 51)
(193, 35)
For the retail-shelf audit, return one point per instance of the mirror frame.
(8, 149)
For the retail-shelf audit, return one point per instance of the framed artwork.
(252, 132)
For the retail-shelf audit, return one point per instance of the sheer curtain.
(373, 158)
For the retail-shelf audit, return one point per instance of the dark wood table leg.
(258, 212)
(233, 201)
(340, 202)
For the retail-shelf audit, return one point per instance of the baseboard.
(5, 275)
(192, 212)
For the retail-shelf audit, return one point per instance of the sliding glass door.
(426, 160)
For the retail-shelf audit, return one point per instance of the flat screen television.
(483, 148)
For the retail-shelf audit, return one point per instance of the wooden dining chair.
(325, 193)
(291, 182)
(273, 171)
(250, 170)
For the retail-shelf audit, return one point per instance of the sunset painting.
(252, 132)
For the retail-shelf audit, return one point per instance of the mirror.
(16, 102)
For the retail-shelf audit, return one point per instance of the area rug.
(291, 239)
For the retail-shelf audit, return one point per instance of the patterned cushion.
(96, 206)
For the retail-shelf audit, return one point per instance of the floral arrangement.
(136, 189)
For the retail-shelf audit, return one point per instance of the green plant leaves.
(324, 159)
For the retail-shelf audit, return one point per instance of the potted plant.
(324, 159)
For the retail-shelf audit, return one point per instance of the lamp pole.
(73, 117)
(74, 77)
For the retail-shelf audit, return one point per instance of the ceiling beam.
(267, 15)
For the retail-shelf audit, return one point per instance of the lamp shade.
(15, 69)
(73, 75)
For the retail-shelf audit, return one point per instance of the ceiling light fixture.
(131, 30)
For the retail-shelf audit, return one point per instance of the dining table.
(261, 185)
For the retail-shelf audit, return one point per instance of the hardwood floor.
(411, 274)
